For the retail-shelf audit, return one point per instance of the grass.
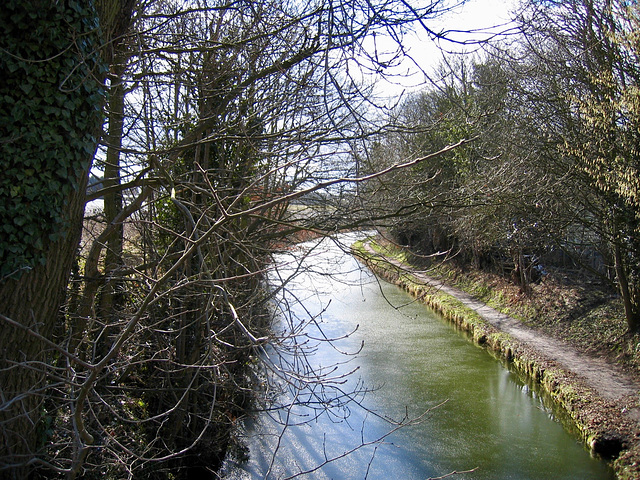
(576, 311)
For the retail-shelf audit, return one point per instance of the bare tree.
(554, 166)
(221, 116)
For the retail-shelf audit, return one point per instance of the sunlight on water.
(478, 416)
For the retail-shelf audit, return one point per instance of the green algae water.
(471, 413)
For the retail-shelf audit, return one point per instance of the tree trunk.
(113, 198)
(56, 131)
(33, 301)
(111, 295)
(630, 310)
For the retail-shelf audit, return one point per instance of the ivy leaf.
(43, 149)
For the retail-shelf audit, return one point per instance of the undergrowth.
(564, 304)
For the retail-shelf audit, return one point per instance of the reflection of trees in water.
(309, 379)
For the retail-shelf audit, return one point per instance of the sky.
(478, 16)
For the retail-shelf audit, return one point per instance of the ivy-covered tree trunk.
(51, 101)
(26, 357)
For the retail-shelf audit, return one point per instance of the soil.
(598, 389)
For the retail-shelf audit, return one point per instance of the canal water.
(373, 385)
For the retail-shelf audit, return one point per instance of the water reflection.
(490, 421)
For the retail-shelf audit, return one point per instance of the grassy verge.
(598, 329)
(571, 309)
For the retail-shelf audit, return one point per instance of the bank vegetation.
(607, 426)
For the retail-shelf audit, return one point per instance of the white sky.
(478, 16)
(481, 17)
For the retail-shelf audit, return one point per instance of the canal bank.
(402, 394)
(599, 398)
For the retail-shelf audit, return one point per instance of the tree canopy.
(554, 168)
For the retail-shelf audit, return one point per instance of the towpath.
(607, 379)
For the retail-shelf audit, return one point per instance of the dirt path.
(604, 378)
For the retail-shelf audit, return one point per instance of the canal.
(372, 384)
